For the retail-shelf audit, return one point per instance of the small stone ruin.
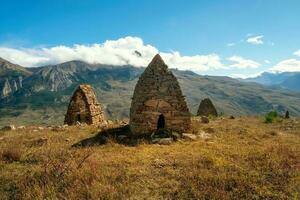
(84, 108)
(287, 114)
(206, 108)
(158, 102)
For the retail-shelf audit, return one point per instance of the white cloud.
(112, 52)
(231, 44)
(297, 53)
(255, 39)
(24, 57)
(290, 65)
(267, 61)
(194, 63)
(242, 63)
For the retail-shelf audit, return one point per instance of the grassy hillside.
(45, 94)
(242, 158)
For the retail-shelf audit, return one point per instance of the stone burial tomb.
(207, 108)
(158, 102)
(84, 108)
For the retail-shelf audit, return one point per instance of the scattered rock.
(189, 136)
(231, 117)
(9, 128)
(175, 136)
(204, 120)
(165, 141)
(41, 128)
(78, 123)
(21, 127)
(162, 141)
(67, 140)
(204, 135)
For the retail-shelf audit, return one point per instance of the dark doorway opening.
(161, 122)
(78, 118)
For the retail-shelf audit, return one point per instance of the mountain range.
(287, 80)
(41, 95)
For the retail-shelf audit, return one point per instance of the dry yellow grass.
(244, 159)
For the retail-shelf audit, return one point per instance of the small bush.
(11, 155)
(271, 117)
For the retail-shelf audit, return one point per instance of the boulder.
(189, 136)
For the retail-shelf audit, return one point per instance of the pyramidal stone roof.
(157, 62)
(158, 95)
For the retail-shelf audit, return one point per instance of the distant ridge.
(42, 94)
(288, 80)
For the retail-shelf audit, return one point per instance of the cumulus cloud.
(123, 51)
(297, 53)
(194, 63)
(290, 65)
(256, 40)
(242, 63)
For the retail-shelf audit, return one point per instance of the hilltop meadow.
(242, 158)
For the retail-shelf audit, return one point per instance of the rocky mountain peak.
(7, 68)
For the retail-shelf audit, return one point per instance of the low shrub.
(271, 117)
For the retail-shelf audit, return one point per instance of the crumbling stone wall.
(84, 108)
(158, 101)
(207, 108)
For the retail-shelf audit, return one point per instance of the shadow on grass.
(120, 135)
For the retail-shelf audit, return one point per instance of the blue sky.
(191, 28)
